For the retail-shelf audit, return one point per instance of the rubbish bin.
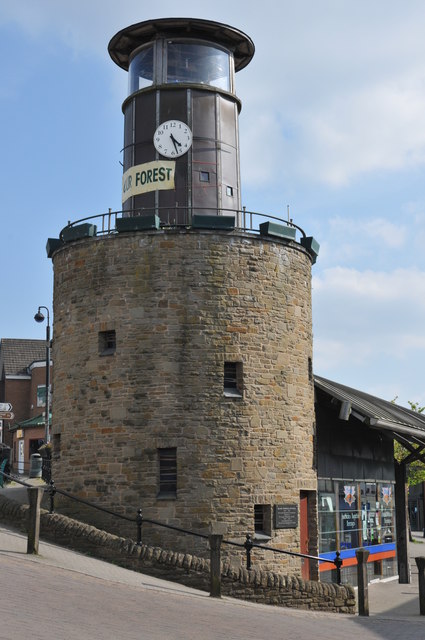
(36, 464)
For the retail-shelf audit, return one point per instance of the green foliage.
(416, 469)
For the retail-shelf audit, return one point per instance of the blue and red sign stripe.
(377, 552)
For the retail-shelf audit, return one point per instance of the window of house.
(262, 521)
(167, 459)
(107, 342)
(233, 379)
(204, 176)
(41, 395)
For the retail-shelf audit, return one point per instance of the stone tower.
(182, 334)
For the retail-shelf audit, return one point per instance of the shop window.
(167, 461)
(262, 521)
(355, 514)
(233, 376)
(327, 518)
(107, 342)
(204, 176)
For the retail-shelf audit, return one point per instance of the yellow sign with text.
(150, 176)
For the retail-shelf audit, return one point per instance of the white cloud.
(369, 329)
(390, 234)
(371, 128)
(405, 286)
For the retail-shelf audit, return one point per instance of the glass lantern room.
(178, 61)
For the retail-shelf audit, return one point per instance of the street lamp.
(39, 317)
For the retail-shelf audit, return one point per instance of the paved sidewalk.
(63, 594)
(59, 580)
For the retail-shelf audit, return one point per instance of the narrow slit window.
(56, 446)
(204, 176)
(310, 370)
(167, 472)
(229, 191)
(233, 379)
(107, 342)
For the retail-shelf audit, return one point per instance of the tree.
(416, 469)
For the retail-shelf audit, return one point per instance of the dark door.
(304, 541)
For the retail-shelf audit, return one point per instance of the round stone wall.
(180, 304)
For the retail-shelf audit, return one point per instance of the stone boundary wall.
(263, 587)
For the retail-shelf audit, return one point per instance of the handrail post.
(363, 595)
(215, 541)
(420, 563)
(34, 500)
(338, 564)
(139, 522)
(52, 491)
(248, 547)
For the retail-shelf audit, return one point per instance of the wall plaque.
(286, 516)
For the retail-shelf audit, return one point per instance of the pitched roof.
(17, 354)
(37, 421)
(377, 413)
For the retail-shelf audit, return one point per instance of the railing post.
(52, 491)
(338, 565)
(139, 522)
(362, 582)
(248, 546)
(215, 541)
(34, 500)
(420, 563)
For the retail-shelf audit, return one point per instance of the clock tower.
(181, 143)
(183, 334)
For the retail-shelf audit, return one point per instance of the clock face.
(172, 138)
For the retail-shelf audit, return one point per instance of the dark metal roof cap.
(377, 412)
(127, 40)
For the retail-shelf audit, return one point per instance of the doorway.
(21, 448)
(304, 535)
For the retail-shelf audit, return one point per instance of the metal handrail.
(242, 214)
(248, 545)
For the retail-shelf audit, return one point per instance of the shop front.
(361, 489)
(354, 514)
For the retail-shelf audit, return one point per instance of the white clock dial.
(172, 138)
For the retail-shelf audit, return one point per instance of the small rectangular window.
(56, 445)
(233, 379)
(204, 176)
(229, 191)
(107, 342)
(262, 521)
(167, 459)
(41, 395)
(310, 370)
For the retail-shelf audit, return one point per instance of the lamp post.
(39, 317)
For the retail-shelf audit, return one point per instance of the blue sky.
(332, 124)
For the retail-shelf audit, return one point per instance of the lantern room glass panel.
(140, 70)
(198, 63)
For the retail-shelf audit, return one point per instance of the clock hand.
(175, 142)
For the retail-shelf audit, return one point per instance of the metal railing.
(248, 545)
(178, 216)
